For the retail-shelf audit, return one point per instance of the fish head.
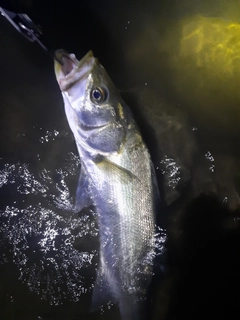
(87, 90)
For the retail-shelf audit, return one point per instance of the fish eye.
(98, 94)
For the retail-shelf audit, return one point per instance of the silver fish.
(116, 176)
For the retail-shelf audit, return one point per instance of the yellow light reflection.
(213, 43)
(206, 68)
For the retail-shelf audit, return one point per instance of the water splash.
(210, 158)
(171, 171)
(42, 234)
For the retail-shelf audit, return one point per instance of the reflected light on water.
(43, 231)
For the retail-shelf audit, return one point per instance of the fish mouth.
(70, 70)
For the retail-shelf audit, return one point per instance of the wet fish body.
(116, 176)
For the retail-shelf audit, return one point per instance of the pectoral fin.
(114, 170)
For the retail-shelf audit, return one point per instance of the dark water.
(188, 112)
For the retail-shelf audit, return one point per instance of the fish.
(117, 177)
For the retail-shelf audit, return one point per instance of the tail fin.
(102, 293)
(131, 308)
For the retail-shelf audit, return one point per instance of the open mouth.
(69, 69)
(68, 62)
